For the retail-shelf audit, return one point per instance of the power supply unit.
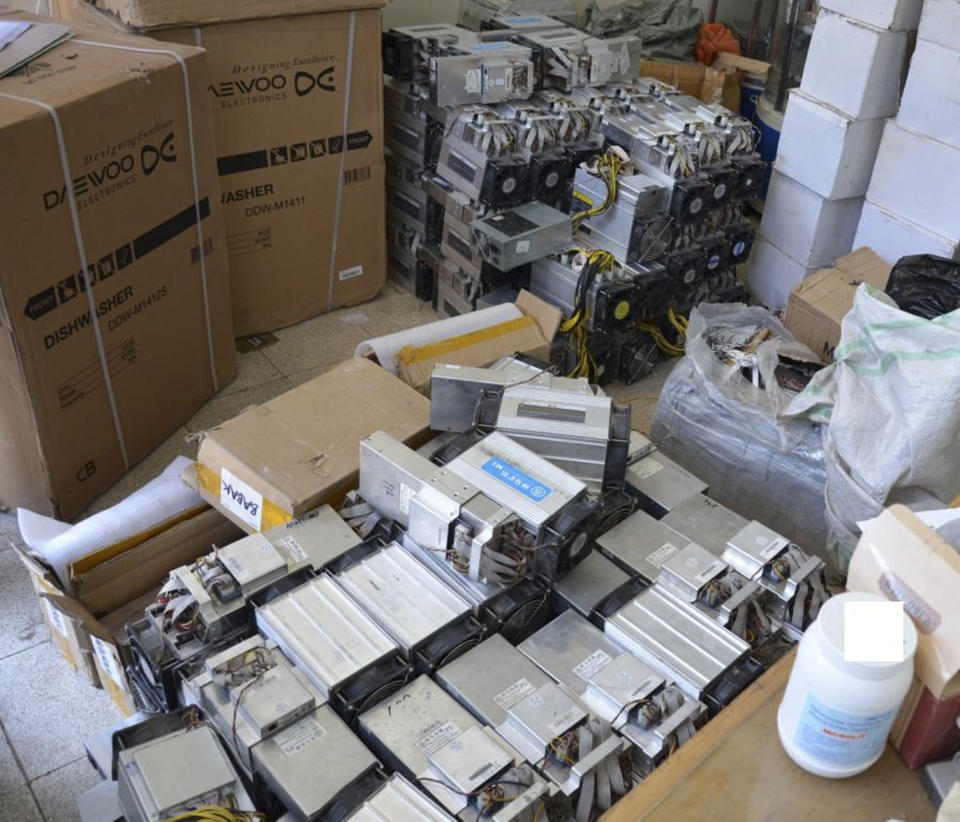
(553, 731)
(174, 773)
(396, 800)
(344, 653)
(521, 234)
(646, 709)
(704, 521)
(595, 588)
(425, 735)
(661, 484)
(430, 623)
(640, 545)
(406, 49)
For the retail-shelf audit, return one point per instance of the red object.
(932, 731)
(714, 38)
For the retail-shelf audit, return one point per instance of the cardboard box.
(940, 23)
(87, 627)
(901, 15)
(826, 150)
(854, 67)
(818, 305)
(892, 236)
(281, 459)
(95, 371)
(734, 68)
(773, 274)
(915, 177)
(811, 229)
(695, 79)
(931, 99)
(298, 112)
(901, 558)
(530, 334)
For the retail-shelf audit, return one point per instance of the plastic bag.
(725, 428)
(666, 28)
(714, 38)
(925, 285)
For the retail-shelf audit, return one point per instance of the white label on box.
(107, 659)
(598, 660)
(300, 735)
(523, 246)
(512, 694)
(436, 737)
(291, 550)
(240, 499)
(56, 617)
(662, 554)
(647, 467)
(474, 81)
(406, 494)
(350, 273)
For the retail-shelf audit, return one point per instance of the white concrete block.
(931, 97)
(900, 15)
(812, 229)
(916, 177)
(940, 23)
(826, 150)
(773, 274)
(893, 237)
(854, 67)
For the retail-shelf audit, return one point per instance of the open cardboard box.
(301, 450)
(87, 626)
(530, 334)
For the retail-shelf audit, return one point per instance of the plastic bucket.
(751, 89)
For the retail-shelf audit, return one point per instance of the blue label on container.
(513, 477)
(839, 737)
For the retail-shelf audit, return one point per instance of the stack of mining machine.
(529, 154)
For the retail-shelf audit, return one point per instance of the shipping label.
(240, 499)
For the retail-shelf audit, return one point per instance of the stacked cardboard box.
(115, 321)
(911, 202)
(831, 132)
(297, 106)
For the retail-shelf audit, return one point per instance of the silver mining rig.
(343, 652)
(661, 484)
(397, 800)
(497, 512)
(649, 711)
(595, 588)
(278, 727)
(425, 735)
(553, 731)
(205, 606)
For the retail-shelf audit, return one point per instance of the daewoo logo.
(147, 160)
(303, 83)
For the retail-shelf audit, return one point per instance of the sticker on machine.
(291, 550)
(598, 660)
(350, 273)
(662, 554)
(406, 494)
(512, 694)
(514, 478)
(646, 468)
(473, 81)
(240, 499)
(436, 737)
(300, 735)
(106, 657)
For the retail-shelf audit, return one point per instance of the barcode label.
(356, 175)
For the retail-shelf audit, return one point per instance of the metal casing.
(706, 522)
(753, 547)
(522, 234)
(641, 544)
(391, 474)
(676, 639)
(589, 583)
(516, 478)
(398, 801)
(689, 570)
(408, 601)
(325, 633)
(317, 538)
(662, 484)
(288, 760)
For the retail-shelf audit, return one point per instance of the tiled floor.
(46, 710)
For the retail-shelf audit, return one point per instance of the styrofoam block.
(884, 14)
(893, 237)
(931, 97)
(772, 274)
(854, 67)
(916, 177)
(812, 229)
(940, 23)
(826, 150)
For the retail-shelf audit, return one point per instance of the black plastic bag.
(925, 285)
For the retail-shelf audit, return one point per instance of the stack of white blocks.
(912, 203)
(831, 132)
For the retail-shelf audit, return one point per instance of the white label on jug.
(107, 658)
(240, 499)
(598, 660)
(841, 738)
(646, 468)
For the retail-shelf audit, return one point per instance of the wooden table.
(735, 770)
